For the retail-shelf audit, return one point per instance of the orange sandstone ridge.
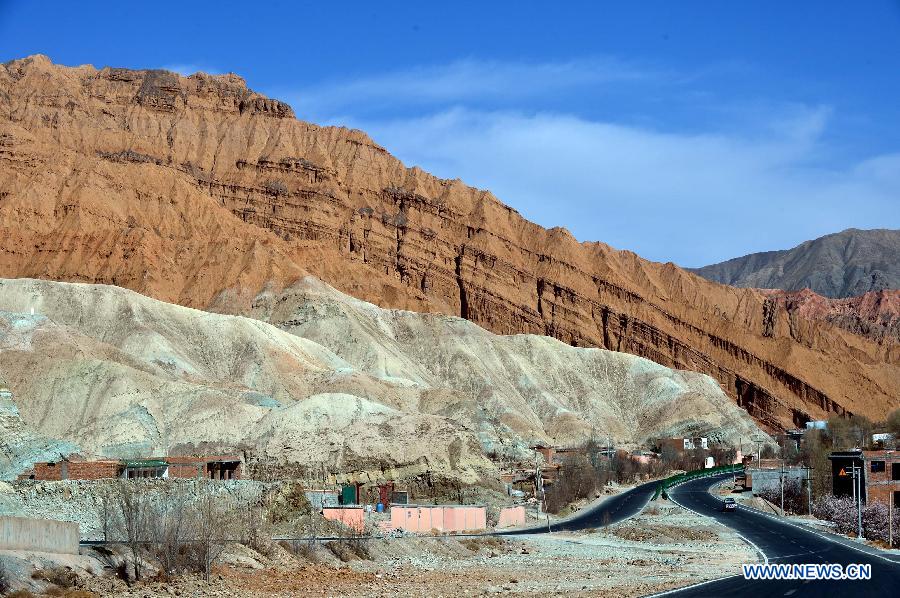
(198, 191)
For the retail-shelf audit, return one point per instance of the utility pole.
(808, 489)
(857, 498)
(891, 523)
(782, 486)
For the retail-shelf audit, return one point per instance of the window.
(895, 471)
(897, 499)
(877, 466)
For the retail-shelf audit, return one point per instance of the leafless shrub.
(841, 510)
(795, 499)
(61, 577)
(208, 537)
(132, 519)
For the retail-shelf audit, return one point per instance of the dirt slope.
(345, 387)
(200, 192)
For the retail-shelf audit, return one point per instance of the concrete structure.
(353, 517)
(884, 440)
(319, 499)
(680, 445)
(880, 474)
(769, 478)
(423, 519)
(40, 535)
(511, 517)
(218, 467)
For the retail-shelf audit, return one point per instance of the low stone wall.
(41, 535)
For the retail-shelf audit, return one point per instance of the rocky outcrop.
(875, 315)
(845, 264)
(198, 191)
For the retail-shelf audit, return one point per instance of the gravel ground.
(662, 548)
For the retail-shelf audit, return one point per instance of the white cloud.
(693, 199)
(751, 174)
(464, 81)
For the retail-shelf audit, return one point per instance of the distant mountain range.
(846, 264)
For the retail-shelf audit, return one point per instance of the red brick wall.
(879, 485)
(46, 471)
(78, 470)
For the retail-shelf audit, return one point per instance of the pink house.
(441, 518)
(352, 517)
(511, 517)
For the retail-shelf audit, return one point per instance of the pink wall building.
(352, 517)
(511, 517)
(424, 519)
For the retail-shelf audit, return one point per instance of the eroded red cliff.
(199, 191)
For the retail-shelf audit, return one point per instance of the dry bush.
(61, 577)
(795, 499)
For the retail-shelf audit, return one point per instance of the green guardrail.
(667, 483)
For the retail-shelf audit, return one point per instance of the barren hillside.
(201, 192)
(346, 388)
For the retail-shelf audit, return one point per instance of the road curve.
(783, 543)
(614, 509)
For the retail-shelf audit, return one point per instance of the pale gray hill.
(845, 264)
(332, 384)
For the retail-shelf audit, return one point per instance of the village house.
(679, 445)
(74, 467)
(880, 472)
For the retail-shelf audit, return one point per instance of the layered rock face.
(198, 191)
(875, 315)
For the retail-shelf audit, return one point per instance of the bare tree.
(132, 519)
(169, 529)
(209, 533)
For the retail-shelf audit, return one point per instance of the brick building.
(679, 445)
(74, 468)
(880, 474)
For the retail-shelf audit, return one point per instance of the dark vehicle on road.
(729, 504)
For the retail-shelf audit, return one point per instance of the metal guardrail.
(690, 475)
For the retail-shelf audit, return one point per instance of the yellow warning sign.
(842, 472)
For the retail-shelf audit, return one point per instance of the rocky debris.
(339, 386)
(79, 501)
(196, 225)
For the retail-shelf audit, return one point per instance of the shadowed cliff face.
(198, 191)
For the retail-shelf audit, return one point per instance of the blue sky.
(685, 131)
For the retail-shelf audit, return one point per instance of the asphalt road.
(612, 510)
(783, 543)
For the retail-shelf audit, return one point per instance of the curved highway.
(784, 543)
(612, 510)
